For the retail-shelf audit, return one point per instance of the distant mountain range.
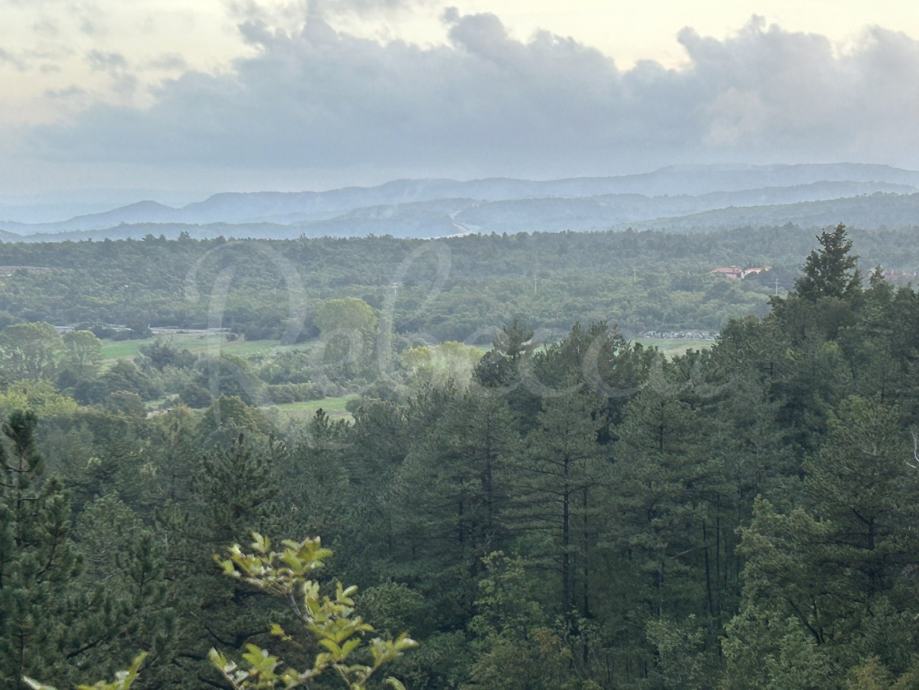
(876, 211)
(684, 198)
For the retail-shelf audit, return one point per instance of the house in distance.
(737, 273)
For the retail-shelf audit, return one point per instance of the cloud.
(67, 93)
(46, 27)
(299, 9)
(7, 58)
(168, 62)
(485, 102)
(100, 61)
(115, 65)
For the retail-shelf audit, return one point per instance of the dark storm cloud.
(314, 97)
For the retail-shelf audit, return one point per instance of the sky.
(180, 99)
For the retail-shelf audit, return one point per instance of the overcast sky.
(194, 97)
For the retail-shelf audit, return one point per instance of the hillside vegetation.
(579, 513)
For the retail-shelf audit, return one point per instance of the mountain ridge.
(438, 206)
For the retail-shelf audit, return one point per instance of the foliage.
(830, 270)
(449, 362)
(571, 510)
(29, 351)
(329, 620)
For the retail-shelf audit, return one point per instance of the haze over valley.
(459, 345)
(684, 198)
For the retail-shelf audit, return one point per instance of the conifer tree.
(316, 484)
(451, 496)
(234, 489)
(835, 566)
(37, 561)
(830, 271)
(557, 494)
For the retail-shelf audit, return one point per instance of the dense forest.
(578, 512)
(445, 289)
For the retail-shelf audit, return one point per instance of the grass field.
(198, 343)
(114, 350)
(302, 411)
(671, 347)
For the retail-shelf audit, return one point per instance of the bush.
(195, 396)
(292, 392)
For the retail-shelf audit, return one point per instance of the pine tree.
(830, 271)
(505, 368)
(317, 484)
(518, 646)
(450, 497)
(234, 489)
(372, 452)
(124, 592)
(835, 565)
(668, 493)
(557, 494)
(37, 561)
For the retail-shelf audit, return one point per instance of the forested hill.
(873, 206)
(871, 211)
(578, 515)
(639, 280)
(867, 194)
